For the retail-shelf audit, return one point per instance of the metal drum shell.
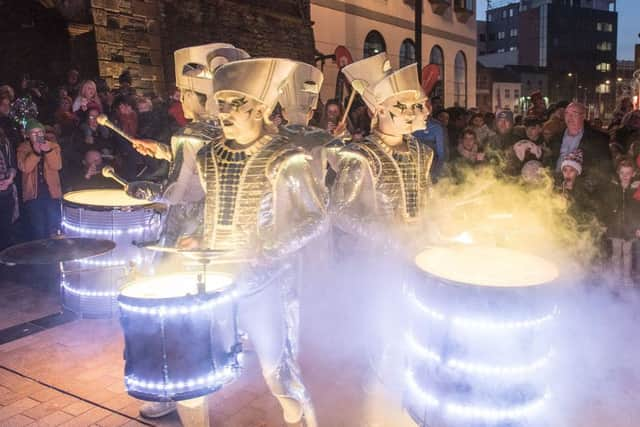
(441, 309)
(171, 349)
(123, 224)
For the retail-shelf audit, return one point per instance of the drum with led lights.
(90, 286)
(478, 340)
(181, 336)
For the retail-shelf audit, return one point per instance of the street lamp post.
(575, 75)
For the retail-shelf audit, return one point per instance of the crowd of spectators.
(51, 143)
(594, 167)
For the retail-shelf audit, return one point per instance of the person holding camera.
(40, 162)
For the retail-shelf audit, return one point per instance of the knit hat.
(505, 114)
(574, 159)
(33, 124)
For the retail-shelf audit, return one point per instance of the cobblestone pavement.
(72, 375)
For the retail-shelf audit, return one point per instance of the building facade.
(576, 40)
(367, 27)
(104, 37)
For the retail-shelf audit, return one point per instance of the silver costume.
(261, 200)
(381, 191)
(381, 185)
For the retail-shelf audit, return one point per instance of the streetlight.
(576, 79)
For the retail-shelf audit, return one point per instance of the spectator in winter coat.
(40, 162)
(597, 164)
(621, 216)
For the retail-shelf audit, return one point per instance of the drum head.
(486, 266)
(176, 285)
(114, 198)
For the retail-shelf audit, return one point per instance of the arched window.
(437, 57)
(460, 80)
(374, 44)
(407, 53)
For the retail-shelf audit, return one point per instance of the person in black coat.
(597, 164)
(621, 216)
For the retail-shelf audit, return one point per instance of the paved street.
(71, 375)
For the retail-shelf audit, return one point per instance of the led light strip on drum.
(467, 322)
(103, 231)
(217, 379)
(478, 368)
(85, 293)
(484, 413)
(164, 310)
(109, 262)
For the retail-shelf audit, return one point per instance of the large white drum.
(90, 286)
(179, 343)
(478, 344)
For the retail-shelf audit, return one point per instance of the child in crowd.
(620, 212)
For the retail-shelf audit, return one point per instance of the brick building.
(105, 37)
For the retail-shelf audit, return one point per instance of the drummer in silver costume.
(298, 99)
(381, 191)
(194, 67)
(384, 181)
(261, 202)
(261, 198)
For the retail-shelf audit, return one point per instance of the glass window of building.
(604, 46)
(513, 32)
(507, 93)
(437, 57)
(374, 44)
(407, 53)
(501, 35)
(460, 80)
(513, 48)
(603, 67)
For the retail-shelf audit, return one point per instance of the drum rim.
(470, 285)
(79, 205)
(150, 302)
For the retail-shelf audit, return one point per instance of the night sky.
(628, 25)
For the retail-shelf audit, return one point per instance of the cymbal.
(199, 255)
(54, 250)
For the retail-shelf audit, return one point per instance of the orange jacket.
(28, 164)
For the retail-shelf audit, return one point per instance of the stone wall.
(127, 34)
(279, 28)
(143, 34)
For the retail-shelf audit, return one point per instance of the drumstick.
(360, 84)
(103, 120)
(109, 172)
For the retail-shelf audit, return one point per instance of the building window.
(513, 32)
(437, 57)
(374, 44)
(516, 93)
(603, 67)
(407, 53)
(603, 88)
(464, 4)
(501, 35)
(604, 26)
(460, 80)
(507, 93)
(513, 48)
(501, 50)
(604, 46)
(489, 17)
(511, 13)
(482, 37)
